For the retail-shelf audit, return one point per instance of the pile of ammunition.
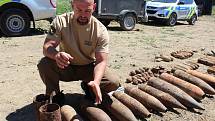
(142, 75)
(181, 54)
(154, 90)
(208, 61)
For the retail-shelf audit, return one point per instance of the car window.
(186, 1)
(165, 1)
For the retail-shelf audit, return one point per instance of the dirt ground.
(129, 50)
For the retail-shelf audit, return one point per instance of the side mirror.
(181, 3)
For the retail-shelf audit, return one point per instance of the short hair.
(90, 1)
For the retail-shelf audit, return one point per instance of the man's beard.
(82, 20)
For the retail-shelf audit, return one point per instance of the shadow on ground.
(26, 113)
(37, 31)
(32, 32)
(161, 24)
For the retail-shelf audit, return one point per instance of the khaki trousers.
(51, 74)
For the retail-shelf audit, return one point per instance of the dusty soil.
(129, 50)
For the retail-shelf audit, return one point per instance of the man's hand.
(96, 90)
(63, 59)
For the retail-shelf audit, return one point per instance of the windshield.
(165, 1)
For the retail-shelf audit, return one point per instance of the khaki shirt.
(80, 41)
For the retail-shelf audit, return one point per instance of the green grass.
(213, 11)
(63, 6)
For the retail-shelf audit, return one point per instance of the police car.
(16, 15)
(172, 11)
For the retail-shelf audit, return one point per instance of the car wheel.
(105, 22)
(172, 20)
(193, 19)
(14, 22)
(128, 22)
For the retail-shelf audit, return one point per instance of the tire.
(14, 22)
(172, 19)
(128, 22)
(105, 22)
(192, 20)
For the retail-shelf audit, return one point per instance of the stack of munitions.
(211, 70)
(184, 87)
(182, 54)
(191, 89)
(205, 77)
(208, 61)
(142, 75)
(158, 90)
(189, 65)
(192, 65)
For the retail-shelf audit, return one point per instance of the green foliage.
(213, 12)
(63, 6)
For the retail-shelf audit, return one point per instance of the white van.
(16, 15)
(172, 11)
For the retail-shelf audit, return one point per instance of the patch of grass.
(179, 34)
(63, 6)
(167, 30)
(150, 40)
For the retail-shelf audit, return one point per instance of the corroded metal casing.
(50, 112)
(135, 106)
(205, 77)
(146, 99)
(165, 98)
(38, 101)
(93, 113)
(118, 109)
(191, 89)
(176, 92)
(68, 113)
(194, 80)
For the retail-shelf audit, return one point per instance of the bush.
(213, 11)
(63, 6)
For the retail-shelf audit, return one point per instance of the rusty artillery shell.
(166, 58)
(176, 92)
(192, 67)
(138, 75)
(38, 101)
(143, 79)
(211, 70)
(193, 63)
(205, 77)
(137, 71)
(50, 112)
(118, 109)
(194, 80)
(206, 61)
(146, 99)
(93, 113)
(178, 67)
(136, 107)
(165, 98)
(132, 73)
(129, 79)
(191, 89)
(68, 113)
(150, 73)
(134, 80)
